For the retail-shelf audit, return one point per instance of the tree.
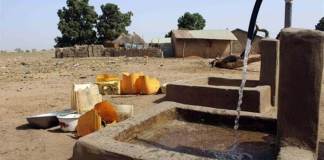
(190, 21)
(320, 25)
(168, 35)
(112, 22)
(77, 22)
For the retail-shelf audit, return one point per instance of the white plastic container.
(68, 122)
(125, 111)
(163, 88)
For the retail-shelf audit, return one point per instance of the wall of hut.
(239, 45)
(201, 48)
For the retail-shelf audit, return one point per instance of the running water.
(233, 153)
(244, 78)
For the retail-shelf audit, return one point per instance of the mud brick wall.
(256, 99)
(58, 52)
(96, 50)
(101, 51)
(269, 75)
(300, 80)
(81, 51)
(65, 52)
(150, 52)
(108, 52)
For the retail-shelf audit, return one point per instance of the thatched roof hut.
(129, 39)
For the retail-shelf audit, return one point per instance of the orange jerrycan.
(88, 123)
(107, 112)
(128, 84)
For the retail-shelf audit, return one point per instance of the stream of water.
(233, 153)
(244, 78)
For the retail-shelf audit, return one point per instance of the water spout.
(233, 151)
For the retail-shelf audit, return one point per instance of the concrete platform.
(119, 141)
(295, 153)
(321, 150)
(221, 93)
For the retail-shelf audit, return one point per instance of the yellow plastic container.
(125, 83)
(106, 78)
(149, 85)
(108, 84)
(133, 79)
(129, 83)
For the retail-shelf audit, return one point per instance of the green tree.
(320, 25)
(190, 21)
(77, 22)
(168, 35)
(112, 22)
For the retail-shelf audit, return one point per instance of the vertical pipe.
(288, 13)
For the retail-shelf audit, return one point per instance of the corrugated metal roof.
(204, 34)
(246, 32)
(161, 40)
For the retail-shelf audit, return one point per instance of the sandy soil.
(38, 83)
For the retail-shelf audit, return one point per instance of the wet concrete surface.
(207, 140)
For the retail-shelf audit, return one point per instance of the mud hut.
(164, 44)
(129, 41)
(238, 46)
(202, 43)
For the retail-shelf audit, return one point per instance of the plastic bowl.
(43, 121)
(124, 111)
(68, 122)
(48, 120)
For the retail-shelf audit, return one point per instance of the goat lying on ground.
(233, 61)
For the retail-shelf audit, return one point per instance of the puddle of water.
(207, 141)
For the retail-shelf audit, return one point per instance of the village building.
(164, 44)
(239, 46)
(202, 43)
(127, 41)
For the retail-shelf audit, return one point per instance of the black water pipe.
(252, 24)
(254, 17)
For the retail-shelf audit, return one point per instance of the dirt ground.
(37, 83)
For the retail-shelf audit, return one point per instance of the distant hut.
(129, 41)
(202, 43)
(164, 44)
(239, 46)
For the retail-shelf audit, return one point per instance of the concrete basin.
(176, 131)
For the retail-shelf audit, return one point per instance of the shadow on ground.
(25, 127)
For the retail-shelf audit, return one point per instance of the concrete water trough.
(221, 93)
(201, 127)
(176, 131)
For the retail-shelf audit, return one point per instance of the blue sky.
(31, 24)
